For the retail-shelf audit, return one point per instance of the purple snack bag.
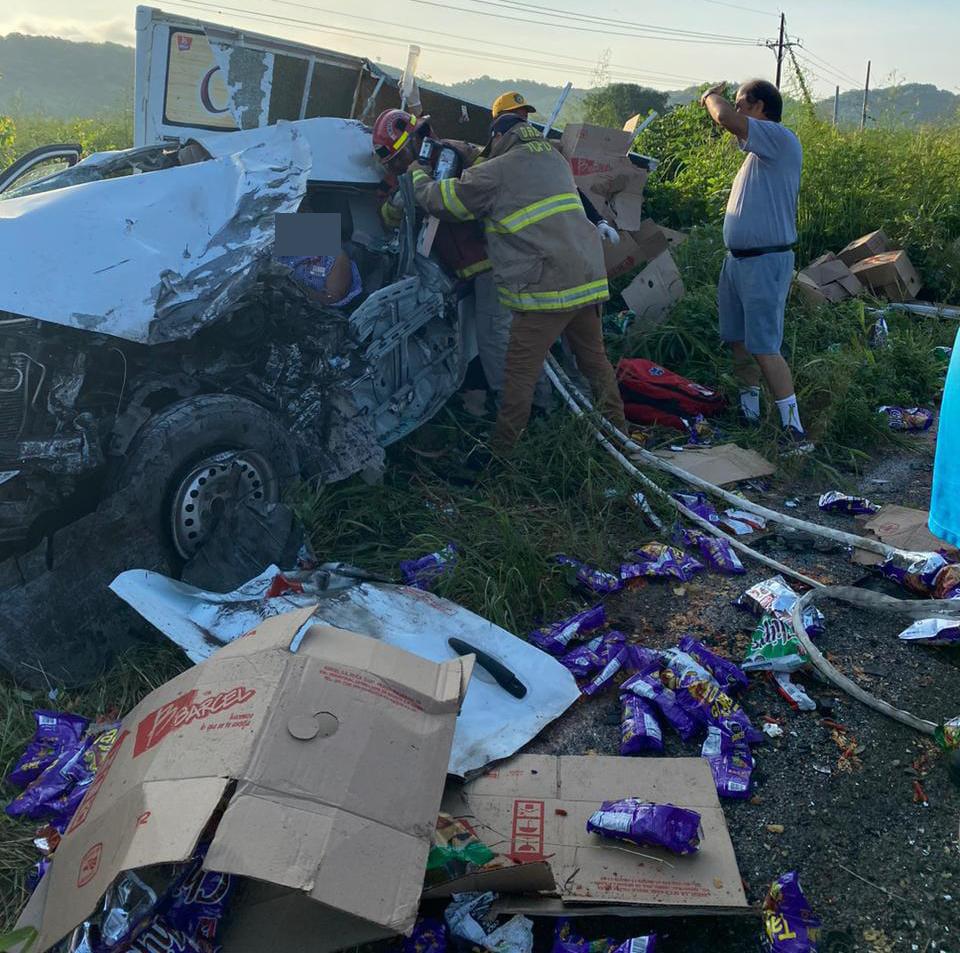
(648, 825)
(424, 572)
(639, 944)
(639, 728)
(699, 504)
(199, 902)
(565, 940)
(596, 580)
(609, 672)
(836, 502)
(789, 923)
(429, 936)
(55, 731)
(730, 760)
(55, 782)
(729, 675)
(917, 572)
(649, 687)
(582, 661)
(555, 638)
(162, 935)
(100, 740)
(657, 560)
(718, 554)
(908, 419)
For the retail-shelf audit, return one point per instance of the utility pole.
(783, 21)
(866, 94)
(836, 106)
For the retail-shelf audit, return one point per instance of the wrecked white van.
(148, 339)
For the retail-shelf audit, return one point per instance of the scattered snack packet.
(620, 662)
(649, 687)
(424, 572)
(917, 572)
(99, 742)
(731, 763)
(932, 632)
(836, 502)
(730, 676)
(775, 597)
(908, 419)
(555, 638)
(796, 697)
(160, 935)
(639, 944)
(946, 585)
(675, 829)
(639, 728)
(700, 504)
(742, 522)
(584, 660)
(659, 560)
(789, 923)
(596, 580)
(55, 731)
(718, 554)
(774, 647)
(700, 694)
(566, 940)
(429, 936)
(948, 735)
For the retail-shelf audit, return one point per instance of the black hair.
(759, 90)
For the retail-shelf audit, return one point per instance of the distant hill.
(59, 78)
(897, 105)
(63, 79)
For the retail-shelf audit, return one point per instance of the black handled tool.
(501, 674)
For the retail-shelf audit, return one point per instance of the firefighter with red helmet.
(459, 246)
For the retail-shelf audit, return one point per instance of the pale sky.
(460, 39)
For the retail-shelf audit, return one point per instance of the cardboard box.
(902, 527)
(721, 464)
(654, 291)
(889, 275)
(617, 192)
(864, 247)
(533, 809)
(584, 141)
(330, 763)
(827, 278)
(673, 237)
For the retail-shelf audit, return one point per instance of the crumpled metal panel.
(492, 724)
(248, 74)
(151, 257)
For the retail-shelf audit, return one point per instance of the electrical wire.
(582, 28)
(498, 45)
(400, 42)
(529, 6)
(737, 6)
(829, 66)
(403, 42)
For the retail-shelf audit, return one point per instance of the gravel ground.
(880, 868)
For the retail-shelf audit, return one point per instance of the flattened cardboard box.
(635, 248)
(902, 527)
(657, 288)
(534, 809)
(338, 754)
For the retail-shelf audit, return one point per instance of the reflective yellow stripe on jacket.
(475, 269)
(537, 212)
(448, 195)
(568, 299)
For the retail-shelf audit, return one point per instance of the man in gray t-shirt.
(759, 230)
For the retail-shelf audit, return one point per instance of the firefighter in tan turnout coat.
(547, 262)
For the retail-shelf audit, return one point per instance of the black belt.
(753, 252)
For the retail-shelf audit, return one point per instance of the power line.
(737, 6)
(581, 28)
(814, 70)
(401, 42)
(529, 6)
(498, 45)
(829, 66)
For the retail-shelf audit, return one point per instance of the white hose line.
(706, 525)
(862, 598)
(773, 516)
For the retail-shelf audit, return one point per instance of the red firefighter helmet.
(393, 130)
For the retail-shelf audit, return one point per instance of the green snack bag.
(774, 647)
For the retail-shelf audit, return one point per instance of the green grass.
(134, 676)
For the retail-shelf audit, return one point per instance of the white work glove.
(396, 200)
(608, 233)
